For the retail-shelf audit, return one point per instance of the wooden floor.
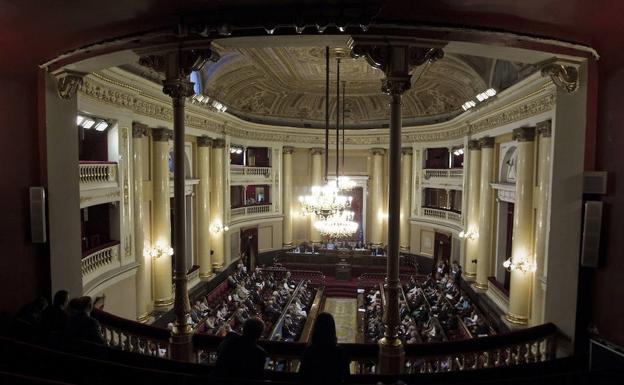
(344, 311)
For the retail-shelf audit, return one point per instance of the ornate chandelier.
(338, 225)
(325, 201)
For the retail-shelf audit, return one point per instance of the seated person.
(239, 356)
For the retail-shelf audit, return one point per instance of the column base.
(404, 249)
(143, 318)
(480, 287)
(217, 267)
(516, 319)
(391, 356)
(376, 244)
(469, 276)
(287, 245)
(206, 275)
(163, 304)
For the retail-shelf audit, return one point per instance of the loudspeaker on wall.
(592, 225)
(37, 215)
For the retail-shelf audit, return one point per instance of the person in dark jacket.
(239, 356)
(81, 327)
(54, 318)
(324, 362)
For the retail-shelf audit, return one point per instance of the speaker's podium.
(343, 270)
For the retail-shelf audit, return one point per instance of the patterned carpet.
(344, 311)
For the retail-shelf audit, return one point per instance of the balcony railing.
(531, 345)
(451, 216)
(429, 173)
(93, 173)
(100, 261)
(250, 210)
(247, 170)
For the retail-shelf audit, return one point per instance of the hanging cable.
(337, 116)
(326, 112)
(344, 84)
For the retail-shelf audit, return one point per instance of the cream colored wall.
(120, 299)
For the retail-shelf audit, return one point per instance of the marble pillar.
(161, 220)
(204, 145)
(484, 243)
(317, 180)
(144, 269)
(522, 243)
(217, 218)
(287, 196)
(541, 220)
(472, 218)
(406, 197)
(375, 195)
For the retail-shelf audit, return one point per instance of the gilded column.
(522, 243)
(472, 220)
(544, 131)
(406, 190)
(217, 199)
(287, 202)
(317, 180)
(204, 144)
(161, 230)
(375, 194)
(144, 269)
(484, 242)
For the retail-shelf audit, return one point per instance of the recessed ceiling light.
(101, 125)
(79, 119)
(87, 123)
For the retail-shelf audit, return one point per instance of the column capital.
(474, 145)
(178, 88)
(288, 149)
(161, 134)
(395, 57)
(139, 130)
(378, 151)
(544, 128)
(486, 142)
(204, 141)
(68, 82)
(317, 151)
(176, 63)
(218, 143)
(524, 134)
(407, 151)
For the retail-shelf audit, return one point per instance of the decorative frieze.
(121, 95)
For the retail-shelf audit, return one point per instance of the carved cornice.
(161, 134)
(218, 143)
(317, 151)
(565, 77)
(68, 83)
(378, 151)
(204, 141)
(474, 145)
(524, 134)
(122, 95)
(288, 149)
(544, 128)
(486, 142)
(522, 111)
(407, 151)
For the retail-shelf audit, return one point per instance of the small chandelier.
(216, 228)
(339, 225)
(520, 264)
(159, 250)
(469, 235)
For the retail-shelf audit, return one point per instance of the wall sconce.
(469, 235)
(521, 264)
(217, 228)
(159, 250)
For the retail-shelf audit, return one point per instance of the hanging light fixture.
(339, 223)
(344, 182)
(325, 201)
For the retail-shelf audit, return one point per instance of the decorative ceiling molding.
(138, 96)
